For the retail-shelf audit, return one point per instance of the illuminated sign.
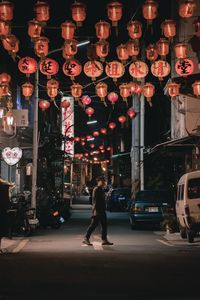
(12, 156)
(68, 126)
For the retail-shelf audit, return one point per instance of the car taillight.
(136, 209)
(187, 210)
(55, 213)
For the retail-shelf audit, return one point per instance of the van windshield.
(194, 188)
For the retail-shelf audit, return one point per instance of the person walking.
(98, 213)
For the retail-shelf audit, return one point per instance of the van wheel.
(183, 233)
(190, 236)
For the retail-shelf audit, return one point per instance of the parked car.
(118, 199)
(188, 205)
(151, 206)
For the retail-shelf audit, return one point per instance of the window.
(194, 188)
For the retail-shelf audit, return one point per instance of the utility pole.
(135, 149)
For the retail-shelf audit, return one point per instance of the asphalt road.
(142, 264)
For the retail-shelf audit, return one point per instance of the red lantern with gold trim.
(41, 46)
(169, 28)
(44, 104)
(114, 69)
(72, 68)
(160, 69)
(52, 88)
(122, 53)
(76, 90)
(89, 111)
(184, 67)
(101, 90)
(5, 29)
(148, 91)
(93, 69)
(196, 88)
(27, 90)
(11, 44)
(78, 13)
(131, 112)
(5, 78)
(68, 30)
(27, 65)
(181, 50)
(173, 89)
(102, 49)
(112, 125)
(134, 29)
(150, 10)
(70, 49)
(34, 29)
(86, 100)
(65, 104)
(41, 11)
(102, 30)
(49, 67)
(135, 88)
(151, 52)
(124, 91)
(133, 48)
(163, 48)
(4, 89)
(138, 69)
(186, 8)
(114, 12)
(6, 11)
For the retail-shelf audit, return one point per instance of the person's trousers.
(99, 218)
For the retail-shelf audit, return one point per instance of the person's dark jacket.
(98, 201)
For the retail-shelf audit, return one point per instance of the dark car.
(151, 206)
(118, 199)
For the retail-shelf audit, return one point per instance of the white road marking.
(21, 245)
(165, 243)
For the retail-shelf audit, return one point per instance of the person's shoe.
(87, 242)
(106, 242)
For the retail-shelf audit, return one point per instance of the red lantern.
(113, 98)
(68, 30)
(112, 125)
(6, 11)
(89, 111)
(196, 88)
(108, 148)
(4, 29)
(27, 90)
(92, 146)
(151, 52)
(150, 10)
(69, 49)
(103, 130)
(184, 67)
(163, 48)
(96, 133)
(101, 90)
(72, 68)
(83, 143)
(86, 100)
(78, 13)
(114, 69)
(101, 147)
(122, 119)
(169, 28)
(138, 69)
(134, 29)
(160, 69)
(102, 30)
(148, 91)
(76, 90)
(27, 65)
(65, 104)
(133, 48)
(44, 104)
(124, 91)
(102, 49)
(5, 78)
(114, 12)
(181, 50)
(77, 139)
(122, 53)
(52, 88)
(41, 46)
(4, 89)
(173, 89)
(11, 44)
(196, 25)
(41, 11)
(88, 137)
(34, 29)
(135, 88)
(186, 8)
(49, 67)
(93, 69)
(131, 112)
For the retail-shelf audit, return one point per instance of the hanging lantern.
(44, 104)
(138, 69)
(131, 112)
(108, 148)
(68, 30)
(186, 8)
(27, 90)
(92, 146)
(101, 90)
(135, 88)
(196, 25)
(103, 130)
(5, 78)
(27, 65)
(88, 137)
(52, 88)
(122, 53)
(49, 67)
(196, 88)
(72, 68)
(134, 29)
(151, 52)
(89, 111)
(65, 104)
(112, 125)
(76, 90)
(169, 28)
(114, 69)
(150, 10)
(83, 143)
(77, 139)
(102, 30)
(2, 110)
(78, 13)
(184, 67)
(181, 50)
(163, 48)
(6, 11)
(122, 119)
(9, 118)
(86, 100)
(114, 12)
(41, 11)
(96, 133)
(113, 98)
(124, 91)
(34, 29)
(4, 29)
(102, 49)
(4, 89)
(41, 46)
(93, 69)
(160, 69)
(70, 49)
(133, 48)
(11, 44)
(173, 89)
(148, 91)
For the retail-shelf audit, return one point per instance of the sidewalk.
(14, 245)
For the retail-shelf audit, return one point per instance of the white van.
(188, 205)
